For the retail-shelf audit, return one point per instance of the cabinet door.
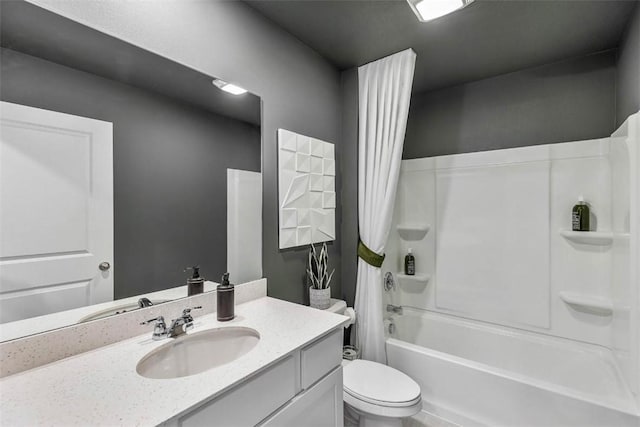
(320, 357)
(320, 406)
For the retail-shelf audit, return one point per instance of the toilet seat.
(380, 390)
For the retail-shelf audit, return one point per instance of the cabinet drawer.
(251, 401)
(320, 357)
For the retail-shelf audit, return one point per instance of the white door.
(56, 211)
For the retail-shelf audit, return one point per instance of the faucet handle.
(397, 309)
(160, 328)
(186, 311)
(188, 318)
(159, 319)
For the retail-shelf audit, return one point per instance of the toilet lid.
(379, 384)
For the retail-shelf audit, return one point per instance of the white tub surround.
(625, 158)
(505, 216)
(26, 353)
(102, 387)
(500, 247)
(521, 321)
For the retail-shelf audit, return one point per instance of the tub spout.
(397, 309)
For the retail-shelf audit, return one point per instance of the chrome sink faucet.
(178, 326)
(183, 323)
(144, 302)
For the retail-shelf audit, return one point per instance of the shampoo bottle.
(580, 216)
(409, 264)
(225, 297)
(195, 283)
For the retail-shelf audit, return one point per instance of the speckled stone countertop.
(101, 387)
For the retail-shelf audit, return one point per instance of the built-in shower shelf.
(413, 231)
(598, 238)
(595, 304)
(416, 278)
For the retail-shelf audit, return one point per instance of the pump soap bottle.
(225, 297)
(409, 264)
(580, 216)
(195, 283)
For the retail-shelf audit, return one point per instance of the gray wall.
(349, 153)
(299, 89)
(565, 101)
(628, 78)
(170, 163)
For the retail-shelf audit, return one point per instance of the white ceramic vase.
(320, 298)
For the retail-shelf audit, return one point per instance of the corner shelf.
(412, 232)
(596, 238)
(416, 278)
(594, 304)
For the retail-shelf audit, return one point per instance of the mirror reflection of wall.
(174, 134)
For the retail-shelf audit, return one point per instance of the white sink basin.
(197, 352)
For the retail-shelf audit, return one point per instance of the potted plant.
(320, 278)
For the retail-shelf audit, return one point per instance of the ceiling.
(30, 29)
(487, 38)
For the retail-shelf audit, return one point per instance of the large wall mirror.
(119, 168)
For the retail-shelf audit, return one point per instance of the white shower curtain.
(384, 95)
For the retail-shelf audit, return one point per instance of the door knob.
(104, 266)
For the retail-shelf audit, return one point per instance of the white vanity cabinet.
(302, 389)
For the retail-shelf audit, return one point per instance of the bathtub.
(479, 374)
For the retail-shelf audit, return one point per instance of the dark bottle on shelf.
(580, 216)
(409, 264)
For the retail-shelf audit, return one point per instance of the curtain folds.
(384, 95)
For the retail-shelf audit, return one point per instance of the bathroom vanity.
(293, 376)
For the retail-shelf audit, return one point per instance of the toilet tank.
(337, 306)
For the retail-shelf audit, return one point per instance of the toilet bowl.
(376, 395)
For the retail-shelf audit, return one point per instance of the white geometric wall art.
(306, 190)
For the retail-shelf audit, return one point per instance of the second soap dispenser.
(225, 299)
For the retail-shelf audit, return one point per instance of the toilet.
(376, 395)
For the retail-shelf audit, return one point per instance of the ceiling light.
(427, 10)
(228, 87)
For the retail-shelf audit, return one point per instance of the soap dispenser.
(225, 298)
(195, 283)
